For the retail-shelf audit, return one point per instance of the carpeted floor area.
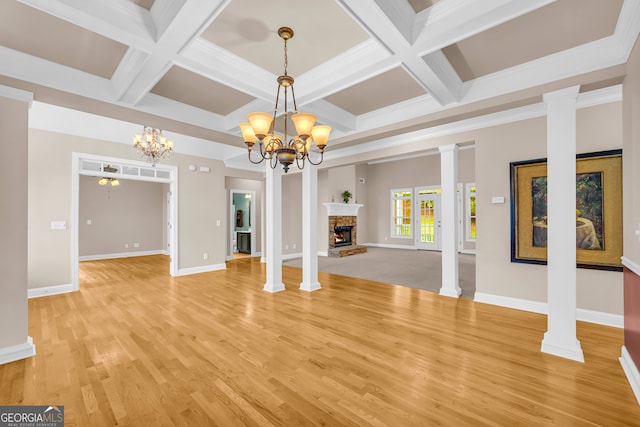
(412, 268)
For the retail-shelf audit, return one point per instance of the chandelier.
(152, 146)
(114, 181)
(274, 147)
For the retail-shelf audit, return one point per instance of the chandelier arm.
(298, 162)
(293, 96)
(273, 163)
(251, 160)
(316, 164)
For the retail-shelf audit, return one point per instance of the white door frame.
(252, 219)
(436, 246)
(77, 170)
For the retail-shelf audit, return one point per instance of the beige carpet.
(415, 269)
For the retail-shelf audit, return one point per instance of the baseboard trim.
(50, 290)
(291, 256)
(201, 269)
(323, 253)
(388, 246)
(120, 255)
(584, 315)
(631, 265)
(631, 371)
(17, 352)
(467, 251)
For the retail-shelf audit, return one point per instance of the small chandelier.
(114, 181)
(152, 146)
(274, 147)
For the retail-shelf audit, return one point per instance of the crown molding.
(16, 94)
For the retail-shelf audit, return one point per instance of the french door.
(427, 226)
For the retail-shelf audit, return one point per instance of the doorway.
(242, 223)
(91, 165)
(427, 214)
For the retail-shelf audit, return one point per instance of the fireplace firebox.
(342, 235)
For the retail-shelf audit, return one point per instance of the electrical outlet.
(286, 246)
(294, 246)
(126, 246)
(205, 255)
(136, 245)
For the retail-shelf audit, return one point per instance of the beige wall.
(631, 157)
(409, 173)
(599, 128)
(201, 202)
(291, 213)
(13, 223)
(131, 213)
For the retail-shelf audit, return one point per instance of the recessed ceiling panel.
(144, 3)
(559, 26)
(420, 5)
(249, 29)
(193, 89)
(380, 91)
(28, 30)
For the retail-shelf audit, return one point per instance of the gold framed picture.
(598, 210)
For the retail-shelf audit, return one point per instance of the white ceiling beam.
(186, 26)
(119, 20)
(385, 30)
(449, 21)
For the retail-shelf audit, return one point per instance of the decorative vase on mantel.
(346, 195)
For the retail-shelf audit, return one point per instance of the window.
(401, 213)
(471, 212)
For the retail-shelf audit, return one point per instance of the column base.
(560, 349)
(453, 293)
(273, 287)
(17, 352)
(309, 287)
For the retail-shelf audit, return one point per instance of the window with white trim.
(401, 212)
(471, 212)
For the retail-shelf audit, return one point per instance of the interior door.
(428, 221)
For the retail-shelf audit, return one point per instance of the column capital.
(447, 148)
(566, 93)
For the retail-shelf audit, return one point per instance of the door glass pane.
(427, 221)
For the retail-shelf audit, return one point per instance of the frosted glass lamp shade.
(260, 122)
(304, 122)
(320, 135)
(247, 133)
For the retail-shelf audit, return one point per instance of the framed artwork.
(598, 210)
(239, 221)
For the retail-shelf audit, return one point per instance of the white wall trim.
(631, 265)
(121, 255)
(201, 269)
(323, 253)
(45, 291)
(17, 352)
(467, 251)
(389, 246)
(631, 371)
(584, 315)
(16, 94)
(286, 257)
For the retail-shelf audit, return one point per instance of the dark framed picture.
(598, 210)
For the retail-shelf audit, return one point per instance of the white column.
(309, 231)
(560, 338)
(449, 220)
(273, 230)
(15, 343)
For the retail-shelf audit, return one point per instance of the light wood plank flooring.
(137, 347)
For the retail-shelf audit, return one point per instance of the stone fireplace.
(343, 229)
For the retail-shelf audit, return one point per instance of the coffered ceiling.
(371, 69)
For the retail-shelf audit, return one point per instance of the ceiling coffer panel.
(193, 89)
(554, 28)
(254, 37)
(58, 41)
(388, 88)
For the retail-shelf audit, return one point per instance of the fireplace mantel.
(342, 209)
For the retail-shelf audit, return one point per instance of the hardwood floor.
(137, 347)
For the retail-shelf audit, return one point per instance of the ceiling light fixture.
(274, 147)
(152, 146)
(114, 181)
